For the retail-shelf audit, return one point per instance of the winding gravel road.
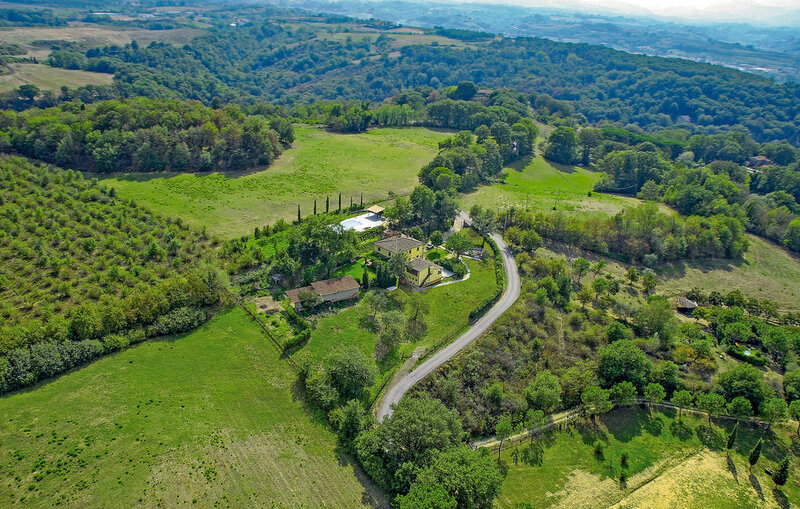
(400, 387)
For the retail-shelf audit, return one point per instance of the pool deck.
(363, 222)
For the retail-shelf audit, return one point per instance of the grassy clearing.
(766, 272)
(671, 464)
(449, 312)
(50, 78)
(536, 183)
(90, 35)
(320, 163)
(207, 418)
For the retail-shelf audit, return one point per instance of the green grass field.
(319, 164)
(50, 78)
(767, 272)
(208, 419)
(670, 465)
(91, 35)
(449, 313)
(538, 184)
(541, 185)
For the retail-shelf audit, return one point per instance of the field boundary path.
(398, 389)
(568, 415)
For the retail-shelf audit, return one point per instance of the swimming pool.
(362, 222)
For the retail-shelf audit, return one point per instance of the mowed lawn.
(449, 315)
(670, 464)
(319, 164)
(535, 183)
(209, 419)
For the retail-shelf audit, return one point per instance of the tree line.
(255, 62)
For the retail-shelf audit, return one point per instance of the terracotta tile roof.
(294, 294)
(399, 244)
(335, 285)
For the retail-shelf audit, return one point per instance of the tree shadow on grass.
(781, 499)
(711, 437)
(624, 424)
(590, 432)
(520, 164)
(373, 496)
(732, 469)
(652, 423)
(756, 486)
(680, 430)
(533, 454)
(777, 449)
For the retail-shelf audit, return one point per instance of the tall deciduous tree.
(544, 393)
(562, 145)
(683, 399)
(711, 403)
(503, 430)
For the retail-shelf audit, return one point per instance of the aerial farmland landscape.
(399, 254)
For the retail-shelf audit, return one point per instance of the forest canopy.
(146, 135)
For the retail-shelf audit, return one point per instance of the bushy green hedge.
(23, 366)
(298, 340)
(295, 319)
(178, 320)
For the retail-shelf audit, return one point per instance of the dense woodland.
(85, 273)
(282, 63)
(146, 135)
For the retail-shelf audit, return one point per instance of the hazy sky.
(698, 10)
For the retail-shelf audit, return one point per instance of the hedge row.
(27, 365)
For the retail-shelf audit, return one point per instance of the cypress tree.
(782, 474)
(298, 213)
(365, 280)
(362, 200)
(754, 455)
(732, 439)
(327, 204)
(351, 202)
(315, 206)
(340, 202)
